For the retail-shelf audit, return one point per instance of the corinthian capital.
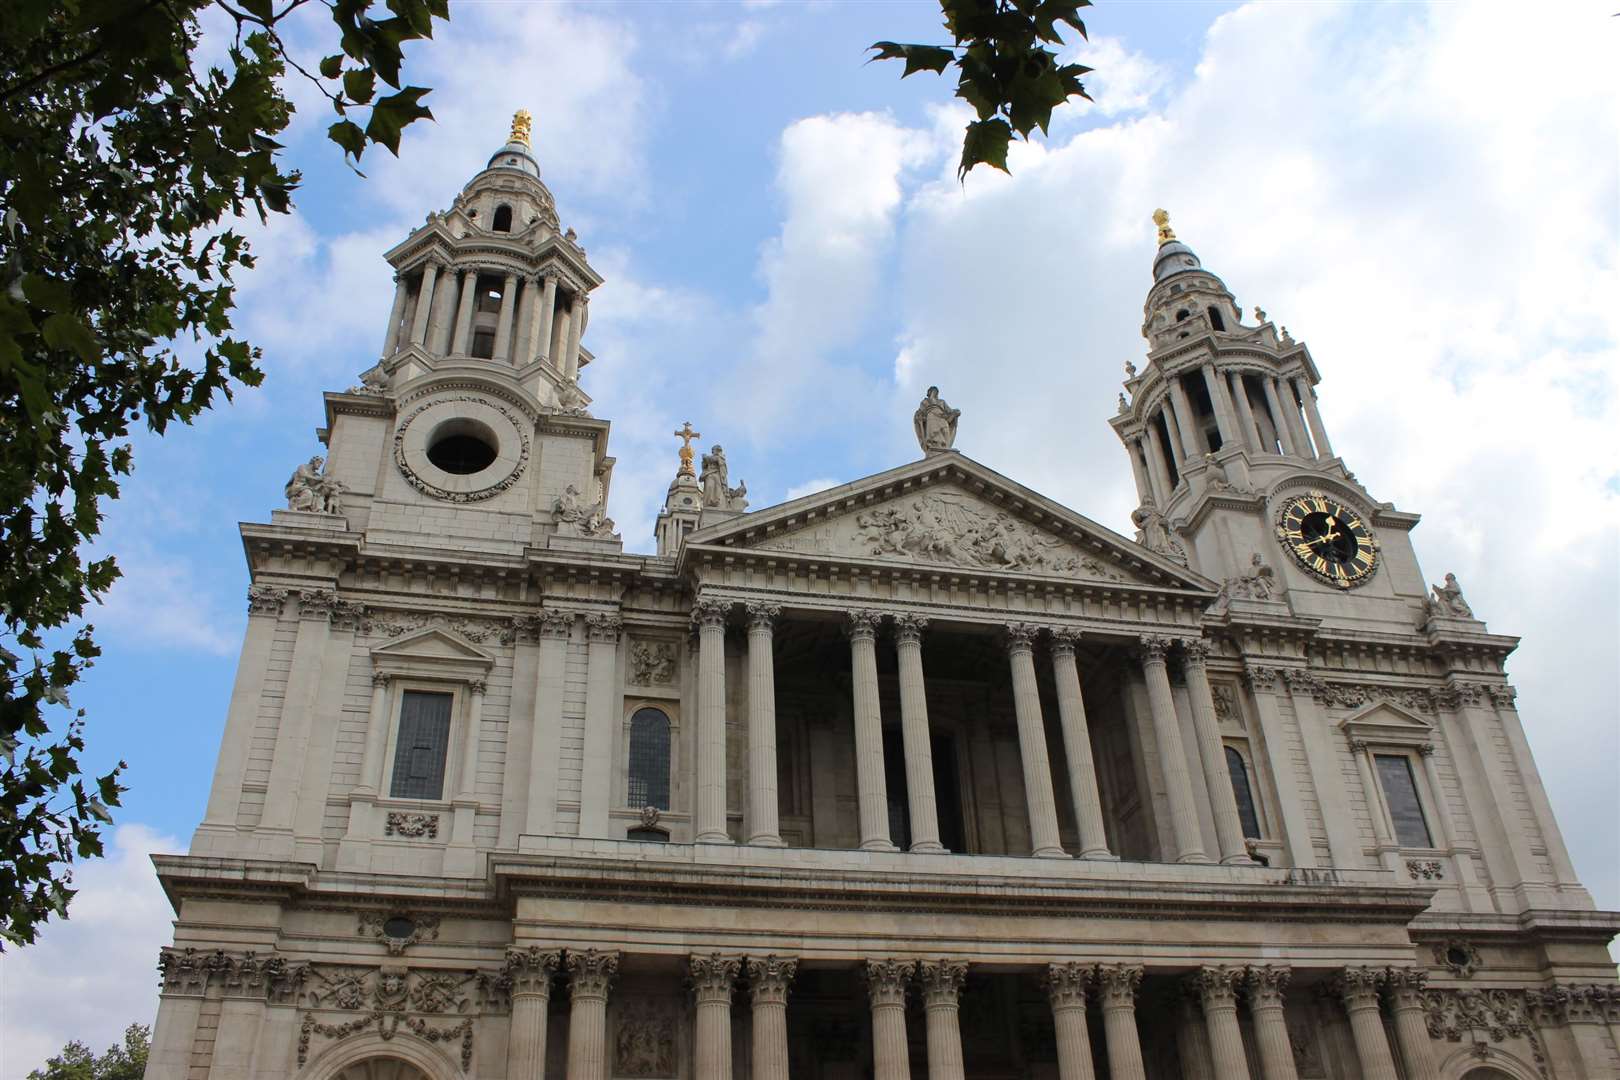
(1194, 651)
(1358, 987)
(1153, 648)
(941, 980)
(1118, 983)
(908, 629)
(762, 617)
(712, 976)
(886, 980)
(1405, 987)
(1218, 986)
(769, 978)
(710, 614)
(1066, 984)
(1262, 680)
(1266, 984)
(1064, 639)
(555, 624)
(1021, 636)
(861, 625)
(530, 970)
(603, 627)
(590, 972)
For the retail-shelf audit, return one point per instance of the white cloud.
(810, 487)
(94, 974)
(160, 603)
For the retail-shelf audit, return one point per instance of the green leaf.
(48, 293)
(260, 9)
(65, 331)
(917, 57)
(390, 115)
(360, 84)
(332, 66)
(985, 143)
(347, 134)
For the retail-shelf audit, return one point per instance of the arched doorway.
(382, 1068)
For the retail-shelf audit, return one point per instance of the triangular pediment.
(949, 511)
(1384, 721)
(433, 644)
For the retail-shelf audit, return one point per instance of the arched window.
(1239, 772)
(649, 759)
(503, 219)
(1183, 315)
(1215, 319)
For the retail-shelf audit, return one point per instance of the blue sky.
(790, 261)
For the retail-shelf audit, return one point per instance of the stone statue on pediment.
(714, 479)
(1260, 583)
(576, 517)
(571, 399)
(1448, 600)
(935, 423)
(310, 490)
(1153, 532)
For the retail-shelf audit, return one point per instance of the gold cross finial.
(1162, 220)
(686, 435)
(520, 127)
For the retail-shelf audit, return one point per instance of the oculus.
(1328, 539)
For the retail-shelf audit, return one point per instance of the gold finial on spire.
(1162, 220)
(686, 435)
(520, 128)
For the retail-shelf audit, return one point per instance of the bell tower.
(1233, 466)
(493, 280)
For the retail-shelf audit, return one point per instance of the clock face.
(1328, 539)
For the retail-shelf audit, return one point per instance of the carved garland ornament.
(410, 824)
(394, 998)
(427, 487)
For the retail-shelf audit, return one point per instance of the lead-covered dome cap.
(1173, 256)
(516, 154)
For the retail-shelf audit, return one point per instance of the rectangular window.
(1400, 795)
(483, 344)
(423, 746)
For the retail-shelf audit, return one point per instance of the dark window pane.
(423, 746)
(1400, 794)
(1247, 814)
(649, 759)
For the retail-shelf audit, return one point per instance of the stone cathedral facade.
(925, 774)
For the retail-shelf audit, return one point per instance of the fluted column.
(1156, 465)
(871, 785)
(464, 312)
(1285, 430)
(1043, 825)
(886, 984)
(1077, 747)
(712, 979)
(1405, 989)
(576, 330)
(1218, 989)
(941, 985)
(443, 316)
(1265, 986)
(530, 971)
(1066, 988)
(1117, 985)
(1172, 759)
(1296, 426)
(1225, 421)
(1172, 427)
(1240, 397)
(769, 978)
(1358, 988)
(710, 617)
(540, 326)
(1212, 753)
(590, 973)
(1192, 1037)
(1307, 395)
(396, 315)
(1144, 483)
(1192, 436)
(763, 826)
(503, 322)
(424, 303)
(915, 734)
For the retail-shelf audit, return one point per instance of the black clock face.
(1328, 539)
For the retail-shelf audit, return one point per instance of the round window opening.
(399, 927)
(1457, 956)
(462, 447)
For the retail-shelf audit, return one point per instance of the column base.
(1195, 857)
(1238, 860)
(767, 840)
(929, 847)
(1050, 853)
(714, 838)
(877, 845)
(1099, 855)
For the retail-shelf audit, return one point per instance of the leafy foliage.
(1006, 72)
(122, 1062)
(124, 159)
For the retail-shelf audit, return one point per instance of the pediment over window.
(1386, 723)
(948, 512)
(432, 650)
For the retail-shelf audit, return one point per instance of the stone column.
(1077, 747)
(1172, 425)
(576, 329)
(1218, 989)
(540, 815)
(464, 312)
(503, 321)
(396, 315)
(530, 971)
(1307, 394)
(1144, 482)
(1172, 759)
(1405, 989)
(915, 734)
(442, 318)
(1156, 465)
(886, 983)
(710, 617)
(871, 785)
(424, 303)
(1265, 985)
(604, 705)
(769, 978)
(590, 973)
(1192, 436)
(1285, 430)
(712, 979)
(763, 825)
(1296, 426)
(1212, 753)
(1240, 396)
(1117, 984)
(1066, 987)
(1225, 422)
(540, 325)
(1192, 1037)
(941, 984)
(1358, 987)
(371, 760)
(1043, 825)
